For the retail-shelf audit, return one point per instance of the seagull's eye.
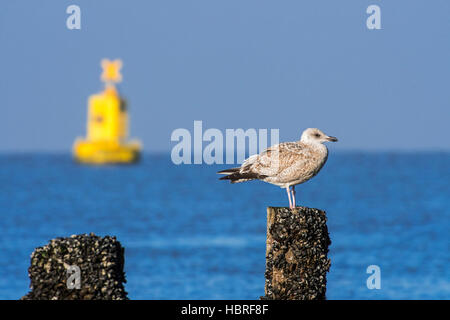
(317, 135)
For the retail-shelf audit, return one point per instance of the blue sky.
(232, 64)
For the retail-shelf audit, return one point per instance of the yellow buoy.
(107, 124)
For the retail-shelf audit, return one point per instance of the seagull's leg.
(293, 197)
(288, 190)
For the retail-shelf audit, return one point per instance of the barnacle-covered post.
(296, 254)
(81, 267)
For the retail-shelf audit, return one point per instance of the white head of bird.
(315, 136)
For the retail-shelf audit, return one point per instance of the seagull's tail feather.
(237, 177)
(229, 171)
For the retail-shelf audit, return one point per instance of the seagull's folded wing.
(276, 160)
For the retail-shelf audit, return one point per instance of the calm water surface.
(189, 236)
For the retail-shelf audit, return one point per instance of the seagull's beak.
(332, 139)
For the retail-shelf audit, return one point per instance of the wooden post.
(81, 267)
(296, 254)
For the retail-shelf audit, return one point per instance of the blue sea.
(188, 235)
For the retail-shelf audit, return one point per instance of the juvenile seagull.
(286, 164)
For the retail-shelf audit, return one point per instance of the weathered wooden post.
(296, 254)
(81, 267)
